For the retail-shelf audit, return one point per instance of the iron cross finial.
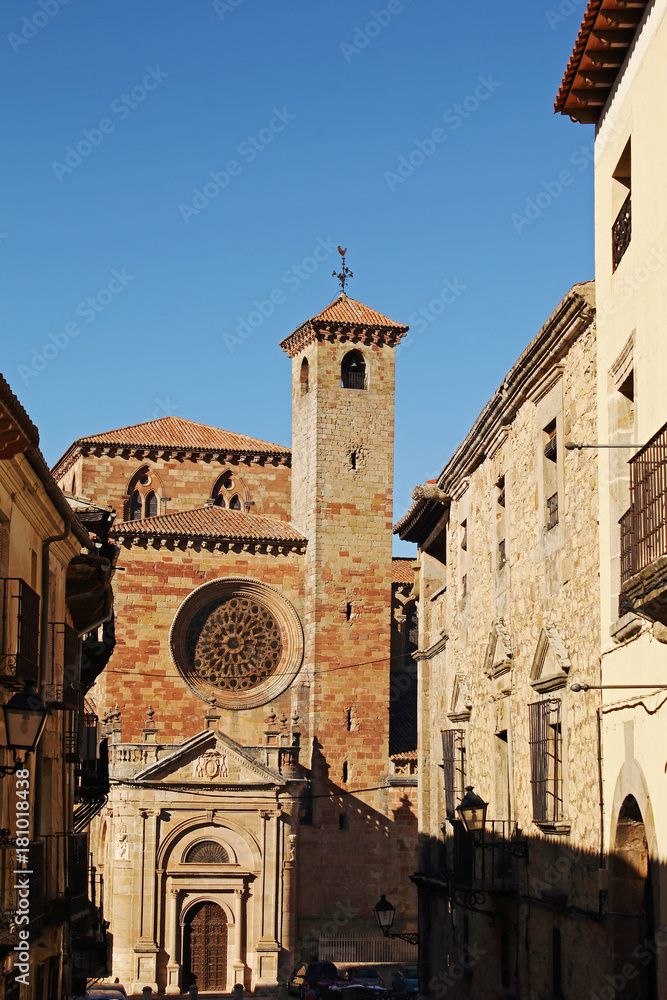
(344, 273)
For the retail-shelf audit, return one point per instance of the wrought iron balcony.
(487, 862)
(621, 232)
(644, 531)
(19, 632)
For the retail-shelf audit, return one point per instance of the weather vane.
(345, 272)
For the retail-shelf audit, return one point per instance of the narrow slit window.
(303, 378)
(345, 771)
(348, 611)
(348, 720)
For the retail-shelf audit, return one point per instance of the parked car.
(364, 975)
(406, 980)
(315, 976)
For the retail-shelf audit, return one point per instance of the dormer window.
(353, 371)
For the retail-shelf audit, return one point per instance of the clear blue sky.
(315, 104)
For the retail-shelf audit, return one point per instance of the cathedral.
(258, 713)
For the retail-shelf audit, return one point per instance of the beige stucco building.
(509, 619)
(54, 587)
(617, 80)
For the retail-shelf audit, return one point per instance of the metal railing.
(552, 511)
(644, 525)
(19, 630)
(489, 860)
(621, 232)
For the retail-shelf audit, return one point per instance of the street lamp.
(25, 718)
(384, 914)
(472, 811)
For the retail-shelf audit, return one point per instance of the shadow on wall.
(514, 916)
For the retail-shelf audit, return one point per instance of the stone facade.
(248, 707)
(509, 618)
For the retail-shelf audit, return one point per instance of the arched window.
(230, 491)
(304, 375)
(353, 371)
(143, 494)
(208, 852)
(136, 506)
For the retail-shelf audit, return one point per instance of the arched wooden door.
(205, 947)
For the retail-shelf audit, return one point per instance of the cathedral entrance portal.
(205, 947)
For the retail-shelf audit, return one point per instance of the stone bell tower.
(342, 485)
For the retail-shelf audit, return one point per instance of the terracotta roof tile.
(211, 523)
(346, 315)
(406, 755)
(582, 96)
(401, 570)
(17, 431)
(176, 432)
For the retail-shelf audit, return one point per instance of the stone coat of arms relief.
(211, 764)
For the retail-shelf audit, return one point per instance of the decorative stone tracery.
(237, 641)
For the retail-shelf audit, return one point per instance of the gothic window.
(143, 493)
(353, 371)
(546, 760)
(229, 491)
(136, 506)
(208, 852)
(453, 761)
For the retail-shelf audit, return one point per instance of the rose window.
(234, 644)
(237, 642)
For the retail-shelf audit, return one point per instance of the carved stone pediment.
(551, 663)
(498, 658)
(461, 703)
(210, 757)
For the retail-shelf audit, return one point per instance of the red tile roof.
(211, 522)
(17, 431)
(599, 51)
(176, 432)
(346, 316)
(401, 570)
(406, 755)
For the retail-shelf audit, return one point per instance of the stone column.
(289, 903)
(173, 965)
(267, 947)
(146, 949)
(238, 964)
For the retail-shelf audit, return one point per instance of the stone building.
(54, 587)
(616, 80)
(255, 804)
(507, 582)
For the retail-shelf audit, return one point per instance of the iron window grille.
(454, 767)
(552, 511)
(19, 630)
(546, 760)
(502, 558)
